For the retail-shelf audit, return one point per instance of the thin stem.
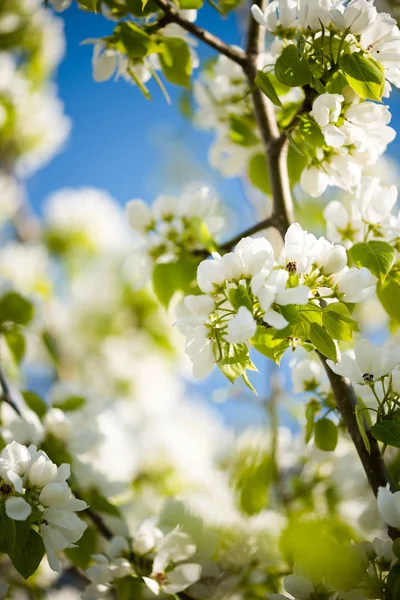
(374, 466)
(6, 396)
(271, 221)
(208, 38)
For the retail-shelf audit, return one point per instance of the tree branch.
(208, 38)
(276, 147)
(6, 396)
(271, 221)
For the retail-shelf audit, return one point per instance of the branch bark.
(203, 35)
(276, 147)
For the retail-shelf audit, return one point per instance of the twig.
(6, 396)
(271, 221)
(208, 38)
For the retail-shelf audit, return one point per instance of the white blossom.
(241, 327)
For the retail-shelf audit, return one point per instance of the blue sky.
(120, 141)
(133, 147)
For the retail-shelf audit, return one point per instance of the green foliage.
(169, 278)
(322, 341)
(239, 296)
(263, 82)
(265, 343)
(364, 75)
(313, 407)
(234, 361)
(27, 556)
(242, 130)
(338, 322)
(132, 40)
(326, 435)
(7, 532)
(188, 4)
(129, 588)
(16, 342)
(175, 61)
(387, 432)
(35, 403)
(377, 256)
(361, 428)
(291, 70)
(87, 545)
(322, 550)
(389, 293)
(90, 5)
(139, 8)
(100, 503)
(257, 172)
(15, 308)
(71, 403)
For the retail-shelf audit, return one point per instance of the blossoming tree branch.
(314, 514)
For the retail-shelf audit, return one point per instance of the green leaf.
(27, 558)
(239, 296)
(363, 75)
(326, 435)
(136, 42)
(81, 556)
(175, 61)
(71, 403)
(242, 128)
(317, 85)
(292, 142)
(168, 278)
(51, 346)
(263, 82)
(257, 172)
(7, 533)
(129, 588)
(312, 408)
(90, 5)
(141, 8)
(387, 432)
(264, 342)
(189, 4)
(235, 360)
(338, 322)
(16, 343)
(291, 70)
(35, 403)
(322, 341)
(361, 428)
(389, 294)
(301, 45)
(100, 503)
(15, 309)
(227, 6)
(376, 256)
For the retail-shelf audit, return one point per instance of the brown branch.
(271, 221)
(6, 396)
(203, 35)
(275, 147)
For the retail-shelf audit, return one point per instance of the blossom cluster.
(33, 126)
(33, 487)
(376, 368)
(172, 227)
(160, 561)
(355, 134)
(248, 287)
(365, 215)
